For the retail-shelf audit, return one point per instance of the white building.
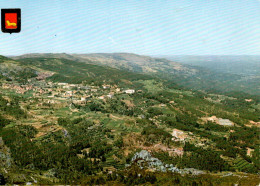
(130, 91)
(109, 96)
(61, 84)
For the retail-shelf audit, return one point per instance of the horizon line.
(133, 53)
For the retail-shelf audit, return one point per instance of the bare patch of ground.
(128, 103)
(253, 123)
(220, 121)
(45, 129)
(137, 141)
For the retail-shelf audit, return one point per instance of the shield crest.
(11, 20)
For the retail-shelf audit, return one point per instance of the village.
(52, 92)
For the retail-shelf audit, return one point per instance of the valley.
(74, 119)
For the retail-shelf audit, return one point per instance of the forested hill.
(187, 75)
(65, 70)
(13, 70)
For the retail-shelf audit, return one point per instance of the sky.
(148, 27)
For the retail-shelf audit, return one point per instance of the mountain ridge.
(186, 75)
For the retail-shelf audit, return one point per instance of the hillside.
(189, 75)
(75, 72)
(75, 121)
(13, 70)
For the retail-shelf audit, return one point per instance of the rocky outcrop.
(5, 155)
(145, 160)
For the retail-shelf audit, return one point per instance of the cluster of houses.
(77, 93)
(20, 89)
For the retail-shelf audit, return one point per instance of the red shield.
(11, 20)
